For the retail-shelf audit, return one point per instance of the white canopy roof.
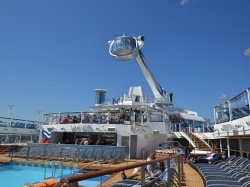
(192, 117)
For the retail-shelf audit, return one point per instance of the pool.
(16, 174)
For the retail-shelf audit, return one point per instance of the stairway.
(200, 143)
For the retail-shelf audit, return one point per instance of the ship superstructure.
(134, 120)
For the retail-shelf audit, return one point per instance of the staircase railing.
(53, 169)
(84, 168)
(202, 137)
(188, 138)
(160, 146)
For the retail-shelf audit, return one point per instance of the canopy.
(192, 117)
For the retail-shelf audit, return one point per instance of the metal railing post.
(143, 176)
(228, 148)
(182, 170)
(168, 166)
(72, 179)
(179, 169)
(28, 152)
(101, 181)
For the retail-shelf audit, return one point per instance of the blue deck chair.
(70, 154)
(97, 154)
(126, 182)
(81, 155)
(51, 152)
(233, 162)
(217, 164)
(88, 154)
(227, 170)
(117, 155)
(234, 173)
(242, 182)
(106, 156)
(21, 153)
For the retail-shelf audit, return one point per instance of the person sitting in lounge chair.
(214, 156)
(151, 167)
(160, 167)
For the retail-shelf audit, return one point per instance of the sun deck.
(190, 176)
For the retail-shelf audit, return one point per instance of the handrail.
(188, 138)
(53, 169)
(77, 178)
(89, 164)
(241, 153)
(156, 146)
(18, 119)
(228, 151)
(204, 138)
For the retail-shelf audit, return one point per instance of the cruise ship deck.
(191, 178)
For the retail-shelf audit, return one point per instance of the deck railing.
(18, 123)
(235, 152)
(178, 162)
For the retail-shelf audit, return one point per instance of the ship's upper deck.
(233, 116)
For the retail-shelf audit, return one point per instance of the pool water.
(17, 174)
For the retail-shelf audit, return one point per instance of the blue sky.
(53, 54)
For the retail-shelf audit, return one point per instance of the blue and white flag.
(47, 134)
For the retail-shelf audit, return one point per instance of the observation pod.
(125, 47)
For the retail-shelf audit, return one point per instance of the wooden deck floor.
(191, 177)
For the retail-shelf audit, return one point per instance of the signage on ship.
(228, 127)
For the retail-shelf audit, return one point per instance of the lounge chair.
(126, 182)
(242, 182)
(228, 171)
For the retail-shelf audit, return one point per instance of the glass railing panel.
(18, 123)
(222, 113)
(239, 106)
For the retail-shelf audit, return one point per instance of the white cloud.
(247, 52)
(183, 2)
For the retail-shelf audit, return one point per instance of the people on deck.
(186, 152)
(160, 167)
(75, 119)
(150, 168)
(99, 142)
(211, 158)
(64, 119)
(86, 142)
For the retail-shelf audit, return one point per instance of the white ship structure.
(18, 131)
(135, 121)
(232, 123)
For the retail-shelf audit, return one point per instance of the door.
(133, 146)
(125, 142)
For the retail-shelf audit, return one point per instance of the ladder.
(54, 166)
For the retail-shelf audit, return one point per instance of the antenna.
(10, 109)
(223, 97)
